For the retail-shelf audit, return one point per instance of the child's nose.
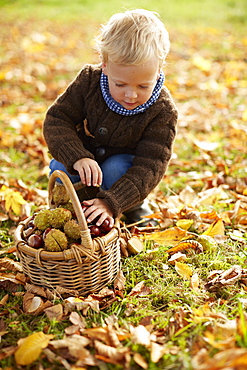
(131, 94)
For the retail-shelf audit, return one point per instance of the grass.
(207, 13)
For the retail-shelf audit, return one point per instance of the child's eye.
(144, 87)
(119, 85)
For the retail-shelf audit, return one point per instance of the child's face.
(131, 85)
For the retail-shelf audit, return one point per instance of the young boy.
(114, 126)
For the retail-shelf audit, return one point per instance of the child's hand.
(98, 208)
(89, 171)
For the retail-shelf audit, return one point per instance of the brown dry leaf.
(212, 216)
(2, 329)
(102, 294)
(179, 257)
(218, 343)
(4, 300)
(224, 278)
(157, 351)
(72, 329)
(6, 352)
(78, 320)
(31, 347)
(119, 281)
(141, 335)
(75, 344)
(3, 217)
(55, 312)
(233, 358)
(35, 289)
(140, 360)
(186, 245)
(111, 354)
(113, 337)
(225, 329)
(98, 333)
(11, 265)
(91, 303)
(183, 270)
(195, 282)
(168, 237)
(61, 290)
(81, 304)
(139, 288)
(10, 281)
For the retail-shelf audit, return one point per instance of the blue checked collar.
(118, 108)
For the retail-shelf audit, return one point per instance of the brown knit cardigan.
(79, 124)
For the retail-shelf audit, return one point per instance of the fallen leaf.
(186, 245)
(194, 281)
(183, 270)
(119, 282)
(216, 228)
(184, 224)
(111, 354)
(140, 289)
(140, 360)
(157, 351)
(76, 319)
(31, 347)
(55, 312)
(168, 237)
(11, 265)
(13, 201)
(76, 345)
(141, 335)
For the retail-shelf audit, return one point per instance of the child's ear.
(104, 68)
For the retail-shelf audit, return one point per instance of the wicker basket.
(86, 268)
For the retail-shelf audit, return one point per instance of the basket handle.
(85, 232)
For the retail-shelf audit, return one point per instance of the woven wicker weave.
(86, 268)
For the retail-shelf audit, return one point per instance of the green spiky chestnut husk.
(58, 217)
(55, 241)
(60, 195)
(72, 229)
(42, 219)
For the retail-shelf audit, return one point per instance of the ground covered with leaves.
(181, 302)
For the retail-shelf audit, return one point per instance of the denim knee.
(114, 168)
(55, 165)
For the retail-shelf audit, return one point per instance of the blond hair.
(133, 37)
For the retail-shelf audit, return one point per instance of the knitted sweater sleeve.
(62, 119)
(149, 165)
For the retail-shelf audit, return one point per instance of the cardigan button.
(100, 151)
(103, 131)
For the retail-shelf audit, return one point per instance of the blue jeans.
(113, 168)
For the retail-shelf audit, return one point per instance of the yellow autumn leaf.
(168, 237)
(183, 270)
(216, 228)
(184, 224)
(202, 63)
(244, 116)
(13, 201)
(31, 348)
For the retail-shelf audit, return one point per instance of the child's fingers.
(96, 175)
